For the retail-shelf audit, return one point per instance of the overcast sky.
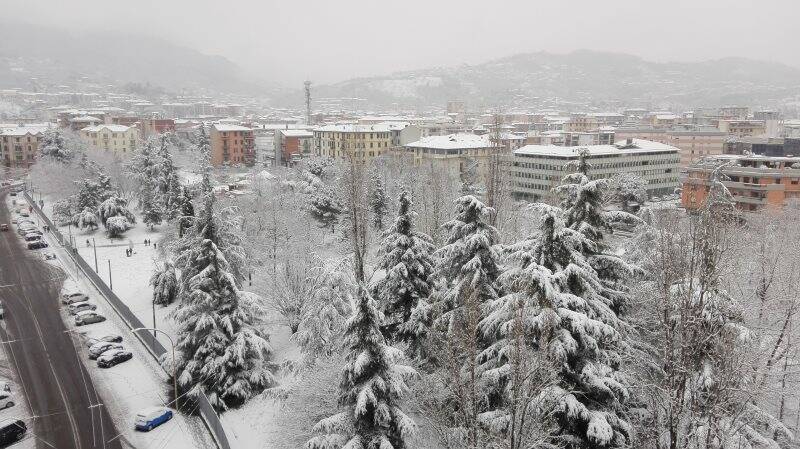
(331, 40)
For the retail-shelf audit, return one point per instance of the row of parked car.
(27, 229)
(108, 351)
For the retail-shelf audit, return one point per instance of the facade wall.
(363, 145)
(121, 142)
(232, 146)
(19, 151)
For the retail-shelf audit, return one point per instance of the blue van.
(150, 418)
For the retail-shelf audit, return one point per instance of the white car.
(88, 317)
(98, 349)
(69, 298)
(6, 400)
(76, 307)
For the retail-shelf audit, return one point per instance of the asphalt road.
(66, 407)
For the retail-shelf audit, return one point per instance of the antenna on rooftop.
(307, 89)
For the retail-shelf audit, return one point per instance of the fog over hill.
(55, 56)
(581, 76)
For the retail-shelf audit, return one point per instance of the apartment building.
(455, 153)
(363, 142)
(154, 127)
(290, 144)
(536, 169)
(743, 128)
(763, 146)
(232, 145)
(19, 146)
(120, 139)
(694, 144)
(756, 182)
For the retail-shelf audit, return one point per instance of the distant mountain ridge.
(580, 76)
(60, 56)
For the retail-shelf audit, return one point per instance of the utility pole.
(307, 90)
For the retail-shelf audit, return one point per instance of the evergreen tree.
(169, 185)
(149, 204)
(555, 300)
(371, 390)
(88, 196)
(405, 256)
(86, 219)
(104, 186)
(378, 202)
(143, 168)
(325, 206)
(221, 351)
(115, 207)
(165, 284)
(468, 263)
(54, 146)
(184, 210)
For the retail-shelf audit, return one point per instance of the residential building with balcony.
(535, 170)
(743, 128)
(694, 143)
(232, 145)
(120, 139)
(291, 144)
(755, 182)
(19, 146)
(362, 142)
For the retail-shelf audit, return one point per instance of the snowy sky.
(331, 40)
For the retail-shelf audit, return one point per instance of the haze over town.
(407, 225)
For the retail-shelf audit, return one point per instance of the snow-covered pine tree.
(88, 196)
(554, 296)
(378, 202)
(169, 185)
(325, 206)
(371, 390)
(115, 207)
(405, 257)
(86, 219)
(150, 204)
(143, 168)
(105, 188)
(184, 210)
(221, 351)
(165, 284)
(628, 189)
(116, 226)
(467, 263)
(62, 211)
(53, 146)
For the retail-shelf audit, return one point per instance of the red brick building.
(232, 144)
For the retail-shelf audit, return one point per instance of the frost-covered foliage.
(183, 210)
(54, 145)
(115, 207)
(168, 183)
(325, 206)
(143, 168)
(323, 313)
(165, 284)
(116, 226)
(319, 166)
(86, 219)
(88, 196)
(378, 202)
(404, 256)
(555, 300)
(628, 189)
(371, 390)
(221, 352)
(150, 204)
(62, 212)
(468, 263)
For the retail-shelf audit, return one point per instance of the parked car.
(113, 357)
(13, 432)
(5, 386)
(6, 400)
(111, 338)
(34, 232)
(31, 237)
(3, 226)
(13, 193)
(76, 307)
(88, 317)
(37, 244)
(2, 310)
(150, 418)
(69, 298)
(99, 348)
(24, 213)
(25, 228)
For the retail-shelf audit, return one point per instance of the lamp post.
(94, 245)
(110, 283)
(174, 368)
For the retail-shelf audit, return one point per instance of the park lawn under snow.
(251, 426)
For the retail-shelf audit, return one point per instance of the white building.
(536, 169)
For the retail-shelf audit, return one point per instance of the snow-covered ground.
(20, 408)
(132, 385)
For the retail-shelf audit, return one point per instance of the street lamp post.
(94, 245)
(174, 364)
(110, 282)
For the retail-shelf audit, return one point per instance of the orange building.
(292, 143)
(232, 144)
(754, 181)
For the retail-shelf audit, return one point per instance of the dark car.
(37, 244)
(3, 227)
(13, 432)
(113, 357)
(111, 338)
